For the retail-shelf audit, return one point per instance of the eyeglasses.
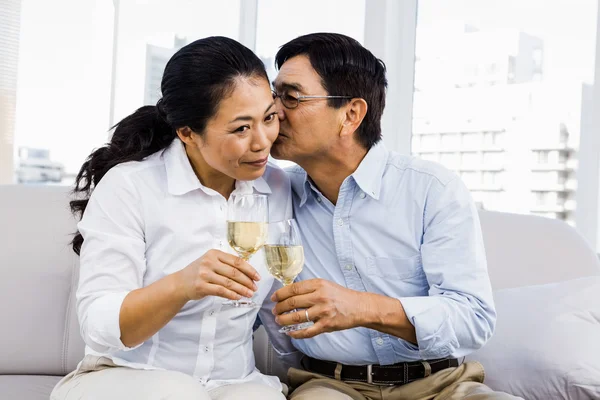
(290, 101)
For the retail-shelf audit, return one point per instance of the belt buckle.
(370, 374)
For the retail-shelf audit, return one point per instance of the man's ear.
(353, 117)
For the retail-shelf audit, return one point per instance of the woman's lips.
(259, 163)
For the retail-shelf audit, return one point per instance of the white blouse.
(146, 220)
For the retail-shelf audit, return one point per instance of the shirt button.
(340, 222)
(220, 243)
(349, 267)
(211, 313)
(319, 199)
(379, 341)
(362, 195)
(206, 349)
(221, 207)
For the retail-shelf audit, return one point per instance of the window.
(493, 159)
(430, 142)
(71, 89)
(540, 198)
(281, 21)
(471, 159)
(450, 140)
(450, 160)
(471, 178)
(501, 63)
(543, 157)
(472, 140)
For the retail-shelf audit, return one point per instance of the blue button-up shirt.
(404, 228)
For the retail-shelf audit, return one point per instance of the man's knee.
(308, 392)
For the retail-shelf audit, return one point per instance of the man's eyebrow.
(288, 85)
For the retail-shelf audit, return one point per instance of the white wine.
(246, 238)
(284, 262)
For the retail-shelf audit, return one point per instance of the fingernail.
(249, 293)
(254, 285)
(277, 320)
(257, 277)
(273, 298)
(273, 311)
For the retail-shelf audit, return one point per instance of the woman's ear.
(185, 134)
(353, 117)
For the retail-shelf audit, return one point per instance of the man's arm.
(456, 318)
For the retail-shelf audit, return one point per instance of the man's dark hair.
(346, 68)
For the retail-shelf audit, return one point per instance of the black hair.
(195, 80)
(346, 68)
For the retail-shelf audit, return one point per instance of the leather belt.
(395, 374)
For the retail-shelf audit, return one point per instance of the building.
(156, 60)
(481, 108)
(10, 21)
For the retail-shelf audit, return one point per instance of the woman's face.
(238, 138)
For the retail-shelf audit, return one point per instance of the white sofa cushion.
(547, 341)
(525, 250)
(38, 272)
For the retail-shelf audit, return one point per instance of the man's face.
(311, 128)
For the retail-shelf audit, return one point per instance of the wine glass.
(247, 216)
(285, 258)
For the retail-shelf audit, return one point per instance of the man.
(395, 278)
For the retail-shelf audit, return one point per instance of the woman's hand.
(218, 274)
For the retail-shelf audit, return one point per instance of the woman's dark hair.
(194, 82)
(346, 68)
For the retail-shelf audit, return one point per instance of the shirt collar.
(181, 178)
(369, 174)
(300, 183)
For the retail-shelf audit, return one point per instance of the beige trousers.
(98, 378)
(463, 382)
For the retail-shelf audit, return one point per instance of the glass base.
(243, 302)
(296, 327)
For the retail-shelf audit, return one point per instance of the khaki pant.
(98, 378)
(463, 382)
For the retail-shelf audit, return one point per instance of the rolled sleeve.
(458, 316)
(112, 261)
(102, 324)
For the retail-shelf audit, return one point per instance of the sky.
(65, 57)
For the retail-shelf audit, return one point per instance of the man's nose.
(280, 109)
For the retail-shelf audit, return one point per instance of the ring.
(306, 313)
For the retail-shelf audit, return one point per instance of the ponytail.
(144, 132)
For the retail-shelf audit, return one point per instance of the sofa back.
(39, 333)
(525, 250)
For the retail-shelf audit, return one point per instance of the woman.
(155, 264)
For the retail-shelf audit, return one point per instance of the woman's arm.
(145, 311)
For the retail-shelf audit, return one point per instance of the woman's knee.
(247, 391)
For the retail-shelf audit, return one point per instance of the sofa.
(39, 334)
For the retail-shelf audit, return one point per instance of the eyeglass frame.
(300, 98)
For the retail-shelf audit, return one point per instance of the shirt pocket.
(396, 276)
(395, 267)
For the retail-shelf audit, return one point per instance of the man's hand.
(330, 306)
(334, 308)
